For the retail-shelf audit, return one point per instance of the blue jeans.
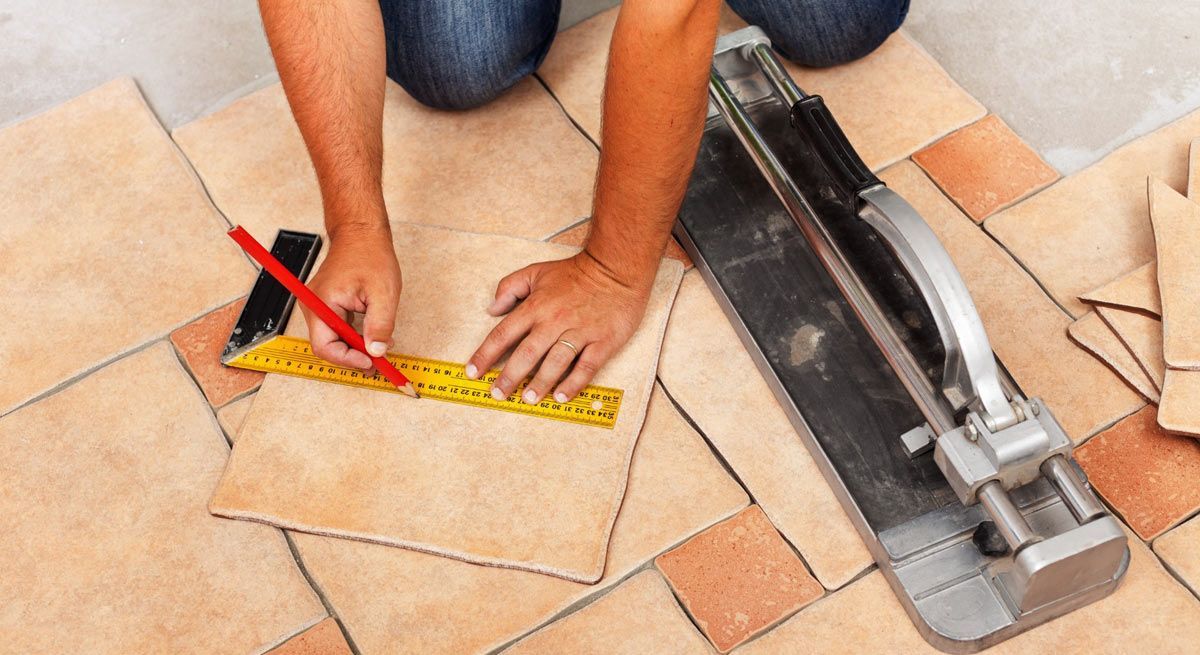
(458, 54)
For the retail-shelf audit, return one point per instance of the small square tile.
(738, 577)
(577, 235)
(324, 638)
(984, 167)
(233, 415)
(1180, 549)
(1150, 477)
(200, 344)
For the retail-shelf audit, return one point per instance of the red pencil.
(318, 307)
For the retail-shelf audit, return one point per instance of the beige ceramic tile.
(421, 603)
(487, 486)
(324, 638)
(752, 433)
(1193, 187)
(1093, 335)
(1180, 549)
(1137, 289)
(233, 415)
(638, 617)
(106, 239)
(516, 166)
(1176, 222)
(1148, 613)
(1093, 226)
(1026, 329)
(891, 103)
(107, 545)
(1179, 410)
(1142, 336)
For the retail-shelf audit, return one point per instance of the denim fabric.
(458, 54)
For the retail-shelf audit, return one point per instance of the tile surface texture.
(1056, 75)
(1150, 477)
(1179, 410)
(200, 344)
(515, 166)
(738, 578)
(1178, 549)
(417, 601)
(1176, 223)
(638, 617)
(1094, 225)
(577, 236)
(487, 486)
(984, 167)
(1093, 335)
(233, 415)
(753, 434)
(890, 103)
(324, 638)
(108, 547)
(1193, 185)
(1142, 336)
(106, 239)
(1137, 289)
(1082, 392)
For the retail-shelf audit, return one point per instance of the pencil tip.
(408, 390)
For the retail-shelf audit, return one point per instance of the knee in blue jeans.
(823, 33)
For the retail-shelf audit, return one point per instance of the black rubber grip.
(816, 125)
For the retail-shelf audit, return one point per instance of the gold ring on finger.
(569, 345)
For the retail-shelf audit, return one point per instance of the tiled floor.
(727, 538)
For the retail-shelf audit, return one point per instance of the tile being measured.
(1027, 331)
(106, 238)
(200, 344)
(515, 166)
(108, 547)
(420, 603)
(486, 486)
(640, 616)
(1093, 335)
(1176, 222)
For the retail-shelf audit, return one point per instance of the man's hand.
(359, 275)
(574, 300)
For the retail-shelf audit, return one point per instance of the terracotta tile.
(1093, 226)
(754, 435)
(515, 166)
(1178, 549)
(200, 344)
(738, 577)
(324, 638)
(985, 167)
(1176, 222)
(1179, 410)
(577, 235)
(422, 603)
(1150, 477)
(1082, 392)
(1142, 336)
(1093, 335)
(108, 241)
(890, 103)
(1137, 289)
(108, 547)
(233, 415)
(1148, 613)
(493, 487)
(638, 617)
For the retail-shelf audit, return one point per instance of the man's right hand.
(360, 275)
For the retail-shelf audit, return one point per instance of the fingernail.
(560, 397)
(529, 397)
(472, 372)
(376, 349)
(498, 394)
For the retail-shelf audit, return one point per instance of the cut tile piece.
(1142, 336)
(577, 235)
(1178, 548)
(1137, 289)
(515, 166)
(890, 103)
(107, 544)
(640, 616)
(324, 638)
(738, 578)
(985, 167)
(1151, 477)
(1091, 226)
(200, 344)
(233, 415)
(1179, 410)
(1148, 613)
(422, 603)
(1026, 329)
(93, 183)
(1176, 222)
(753, 434)
(1093, 335)
(487, 486)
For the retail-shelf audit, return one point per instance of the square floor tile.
(984, 167)
(396, 600)
(738, 577)
(200, 344)
(106, 238)
(577, 236)
(1150, 477)
(1180, 549)
(324, 638)
(108, 546)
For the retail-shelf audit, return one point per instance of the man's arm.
(655, 102)
(331, 60)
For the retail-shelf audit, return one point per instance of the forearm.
(654, 107)
(331, 60)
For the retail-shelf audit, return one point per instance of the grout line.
(566, 113)
(568, 228)
(287, 536)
